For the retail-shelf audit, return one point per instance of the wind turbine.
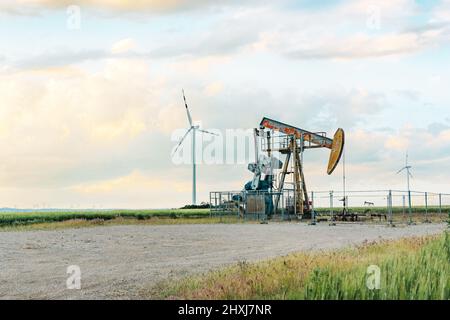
(193, 128)
(408, 173)
(407, 167)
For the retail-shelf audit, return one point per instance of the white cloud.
(66, 117)
(148, 6)
(339, 32)
(94, 125)
(213, 89)
(132, 182)
(124, 45)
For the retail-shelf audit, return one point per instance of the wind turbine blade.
(181, 141)
(410, 174)
(204, 131)
(401, 170)
(187, 110)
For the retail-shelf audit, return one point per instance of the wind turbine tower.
(407, 168)
(193, 128)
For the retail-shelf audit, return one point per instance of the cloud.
(361, 46)
(373, 158)
(225, 39)
(60, 59)
(104, 137)
(213, 89)
(72, 125)
(342, 32)
(436, 128)
(412, 95)
(397, 143)
(442, 12)
(141, 6)
(123, 46)
(100, 132)
(63, 120)
(252, 28)
(134, 181)
(227, 36)
(366, 46)
(344, 108)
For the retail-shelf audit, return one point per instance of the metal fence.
(383, 206)
(251, 205)
(369, 206)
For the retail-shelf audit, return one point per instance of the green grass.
(414, 268)
(82, 223)
(27, 218)
(9, 220)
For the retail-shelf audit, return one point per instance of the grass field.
(414, 268)
(85, 218)
(61, 219)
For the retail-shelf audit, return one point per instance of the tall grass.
(416, 268)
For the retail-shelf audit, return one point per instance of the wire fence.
(382, 206)
(370, 206)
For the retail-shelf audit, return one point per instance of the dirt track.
(118, 262)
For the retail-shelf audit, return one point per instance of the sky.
(91, 103)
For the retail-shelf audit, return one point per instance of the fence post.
(410, 208)
(222, 205)
(426, 208)
(390, 207)
(404, 207)
(331, 203)
(440, 205)
(331, 210)
(239, 208)
(313, 211)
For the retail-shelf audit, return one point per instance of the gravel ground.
(121, 262)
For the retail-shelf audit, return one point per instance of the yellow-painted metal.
(337, 148)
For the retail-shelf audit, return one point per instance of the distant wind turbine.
(192, 129)
(407, 167)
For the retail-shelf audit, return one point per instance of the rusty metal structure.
(294, 141)
(279, 186)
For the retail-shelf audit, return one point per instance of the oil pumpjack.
(275, 136)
